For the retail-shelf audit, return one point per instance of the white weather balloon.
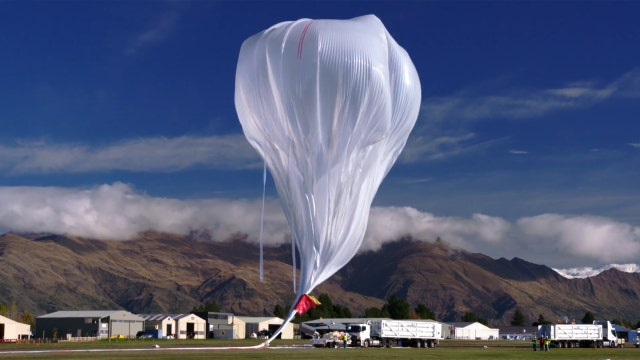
(329, 105)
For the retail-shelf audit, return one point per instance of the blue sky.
(118, 117)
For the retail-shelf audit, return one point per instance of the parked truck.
(389, 333)
(599, 334)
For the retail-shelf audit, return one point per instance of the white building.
(473, 331)
(256, 324)
(163, 323)
(11, 330)
(190, 326)
(180, 326)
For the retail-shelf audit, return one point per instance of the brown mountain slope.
(169, 273)
(452, 282)
(154, 273)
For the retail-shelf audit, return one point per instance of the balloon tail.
(264, 191)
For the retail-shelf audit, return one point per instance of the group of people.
(545, 343)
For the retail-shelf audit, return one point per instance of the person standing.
(534, 343)
(345, 338)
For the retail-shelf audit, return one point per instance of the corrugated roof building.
(163, 323)
(88, 323)
(253, 325)
(219, 325)
(180, 326)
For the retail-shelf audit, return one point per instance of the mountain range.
(166, 273)
(585, 272)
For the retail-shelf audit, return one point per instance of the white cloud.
(118, 211)
(418, 147)
(443, 129)
(157, 32)
(466, 107)
(584, 91)
(391, 223)
(598, 238)
(471, 106)
(518, 152)
(628, 85)
(432, 147)
(140, 155)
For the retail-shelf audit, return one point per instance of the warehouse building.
(248, 325)
(11, 330)
(159, 325)
(89, 323)
(219, 325)
(179, 326)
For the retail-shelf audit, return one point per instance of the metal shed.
(219, 325)
(628, 335)
(11, 330)
(256, 324)
(190, 326)
(162, 324)
(89, 323)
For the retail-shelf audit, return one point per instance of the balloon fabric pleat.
(264, 192)
(329, 105)
(293, 261)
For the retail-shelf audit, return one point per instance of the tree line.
(394, 308)
(397, 308)
(12, 312)
(520, 320)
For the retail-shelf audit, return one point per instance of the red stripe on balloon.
(301, 41)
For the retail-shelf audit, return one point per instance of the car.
(264, 334)
(143, 335)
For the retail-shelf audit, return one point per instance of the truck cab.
(609, 334)
(360, 335)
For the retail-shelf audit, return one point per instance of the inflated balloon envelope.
(329, 105)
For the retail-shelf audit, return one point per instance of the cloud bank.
(159, 154)
(118, 211)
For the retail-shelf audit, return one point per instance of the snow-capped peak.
(585, 272)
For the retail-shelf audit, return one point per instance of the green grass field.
(207, 349)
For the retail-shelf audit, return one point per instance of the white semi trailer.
(599, 334)
(389, 333)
